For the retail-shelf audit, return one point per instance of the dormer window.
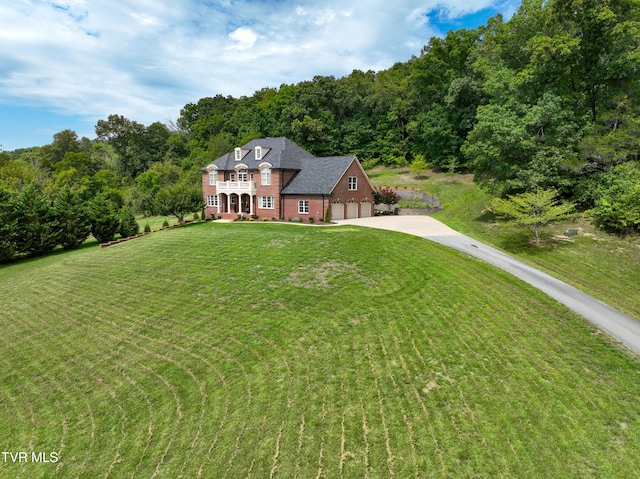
(238, 152)
(258, 152)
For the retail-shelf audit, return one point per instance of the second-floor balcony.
(238, 187)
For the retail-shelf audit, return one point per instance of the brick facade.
(340, 181)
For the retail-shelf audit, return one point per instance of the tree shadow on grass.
(523, 242)
(486, 217)
(517, 242)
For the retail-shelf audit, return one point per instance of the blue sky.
(68, 63)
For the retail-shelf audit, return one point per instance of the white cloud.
(244, 37)
(146, 59)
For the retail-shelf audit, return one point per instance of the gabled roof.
(318, 176)
(314, 176)
(280, 153)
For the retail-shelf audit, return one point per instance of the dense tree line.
(32, 224)
(546, 100)
(59, 194)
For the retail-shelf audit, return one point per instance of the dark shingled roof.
(318, 176)
(279, 152)
(315, 176)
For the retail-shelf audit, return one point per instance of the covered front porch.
(233, 204)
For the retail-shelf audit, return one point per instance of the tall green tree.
(128, 139)
(8, 222)
(73, 218)
(207, 118)
(617, 208)
(64, 142)
(179, 199)
(148, 184)
(104, 219)
(601, 38)
(37, 228)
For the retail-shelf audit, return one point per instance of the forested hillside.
(548, 99)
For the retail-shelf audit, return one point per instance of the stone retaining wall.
(416, 211)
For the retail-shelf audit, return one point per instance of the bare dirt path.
(622, 327)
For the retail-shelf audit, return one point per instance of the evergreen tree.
(73, 218)
(128, 224)
(7, 227)
(104, 219)
(37, 229)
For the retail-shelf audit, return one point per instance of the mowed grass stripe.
(307, 352)
(519, 344)
(145, 351)
(50, 386)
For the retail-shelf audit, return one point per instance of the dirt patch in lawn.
(323, 275)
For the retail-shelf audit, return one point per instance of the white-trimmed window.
(303, 207)
(212, 200)
(242, 175)
(232, 177)
(266, 202)
(238, 153)
(353, 183)
(266, 176)
(213, 177)
(258, 152)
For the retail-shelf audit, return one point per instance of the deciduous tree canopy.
(549, 99)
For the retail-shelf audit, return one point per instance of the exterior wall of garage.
(317, 206)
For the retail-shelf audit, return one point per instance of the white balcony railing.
(236, 187)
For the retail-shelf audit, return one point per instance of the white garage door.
(337, 211)
(365, 209)
(352, 209)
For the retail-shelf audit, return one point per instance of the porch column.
(250, 204)
(218, 203)
(228, 203)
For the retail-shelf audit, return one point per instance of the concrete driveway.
(622, 327)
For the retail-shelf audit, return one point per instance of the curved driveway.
(622, 327)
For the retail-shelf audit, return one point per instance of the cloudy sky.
(66, 64)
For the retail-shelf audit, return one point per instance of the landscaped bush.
(386, 196)
(128, 224)
(327, 215)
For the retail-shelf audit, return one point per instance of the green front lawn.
(271, 350)
(605, 266)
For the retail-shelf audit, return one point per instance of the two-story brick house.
(275, 178)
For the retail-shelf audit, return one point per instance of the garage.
(352, 209)
(337, 211)
(365, 209)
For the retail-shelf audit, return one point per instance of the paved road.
(622, 327)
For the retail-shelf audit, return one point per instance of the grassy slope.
(275, 350)
(604, 266)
